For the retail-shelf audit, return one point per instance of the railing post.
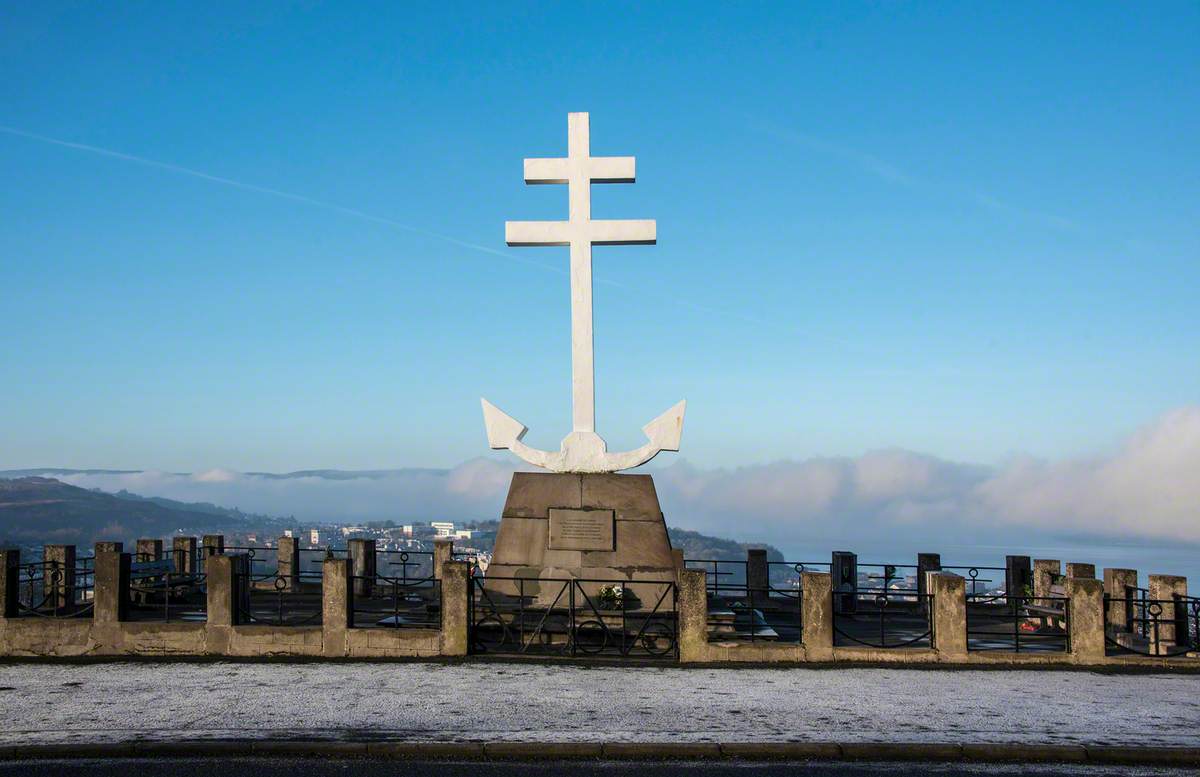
(816, 615)
(443, 553)
(456, 586)
(362, 564)
(183, 553)
(10, 570)
(111, 592)
(926, 563)
(692, 616)
(1116, 585)
(59, 562)
(1085, 619)
(758, 579)
(948, 614)
(1166, 588)
(337, 605)
(222, 583)
(149, 550)
(1087, 571)
(843, 569)
(1044, 572)
(287, 562)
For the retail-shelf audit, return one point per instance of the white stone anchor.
(582, 450)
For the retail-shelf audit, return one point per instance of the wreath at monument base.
(617, 597)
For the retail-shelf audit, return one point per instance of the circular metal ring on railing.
(973, 573)
(591, 637)
(403, 556)
(280, 582)
(486, 627)
(657, 639)
(881, 600)
(800, 568)
(1154, 609)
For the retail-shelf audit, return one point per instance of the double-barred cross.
(579, 170)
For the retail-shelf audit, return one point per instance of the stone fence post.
(362, 558)
(1117, 583)
(10, 571)
(1044, 572)
(337, 605)
(948, 616)
(58, 574)
(287, 563)
(109, 547)
(692, 617)
(183, 554)
(228, 588)
(212, 545)
(443, 553)
(816, 615)
(927, 562)
(1081, 570)
(1018, 575)
(456, 621)
(149, 550)
(843, 569)
(758, 576)
(1172, 621)
(110, 597)
(1086, 619)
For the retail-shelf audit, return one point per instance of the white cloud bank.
(1149, 489)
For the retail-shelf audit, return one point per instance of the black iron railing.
(48, 589)
(157, 592)
(571, 617)
(396, 602)
(1020, 624)
(878, 618)
(980, 581)
(278, 600)
(1138, 625)
(755, 614)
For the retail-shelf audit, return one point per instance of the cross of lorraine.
(582, 450)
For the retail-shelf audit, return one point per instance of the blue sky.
(969, 230)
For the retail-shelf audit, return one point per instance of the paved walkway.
(48, 703)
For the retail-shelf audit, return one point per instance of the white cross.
(582, 450)
(579, 170)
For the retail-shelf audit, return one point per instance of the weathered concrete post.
(287, 564)
(362, 558)
(58, 576)
(111, 593)
(1081, 570)
(843, 569)
(926, 563)
(949, 617)
(108, 547)
(1168, 590)
(212, 545)
(693, 616)
(223, 580)
(1086, 619)
(456, 593)
(1045, 570)
(816, 615)
(758, 576)
(337, 606)
(10, 570)
(183, 555)
(1117, 583)
(443, 553)
(149, 550)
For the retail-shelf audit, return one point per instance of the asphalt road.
(264, 767)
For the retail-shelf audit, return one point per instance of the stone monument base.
(595, 527)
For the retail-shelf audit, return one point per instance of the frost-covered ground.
(41, 703)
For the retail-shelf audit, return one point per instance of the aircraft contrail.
(333, 206)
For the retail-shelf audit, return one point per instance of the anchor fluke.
(666, 431)
(502, 429)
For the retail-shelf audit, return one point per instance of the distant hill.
(36, 510)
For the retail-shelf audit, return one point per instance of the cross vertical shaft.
(579, 193)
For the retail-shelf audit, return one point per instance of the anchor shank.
(583, 379)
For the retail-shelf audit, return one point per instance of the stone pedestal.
(584, 526)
